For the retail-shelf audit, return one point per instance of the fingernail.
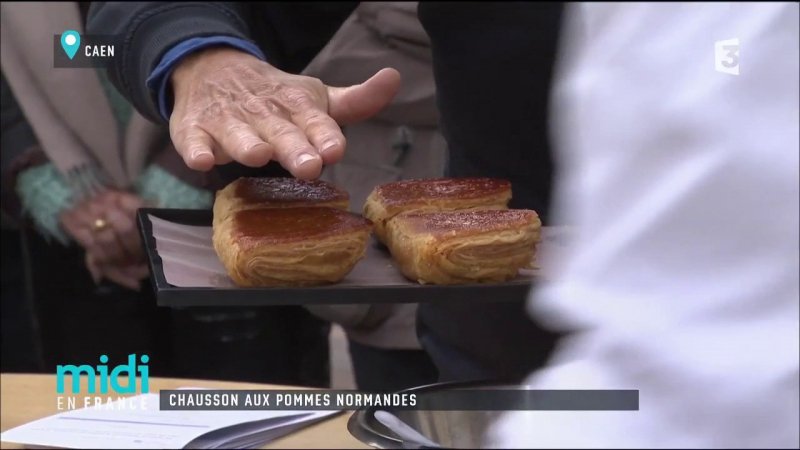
(304, 158)
(328, 146)
(259, 147)
(198, 153)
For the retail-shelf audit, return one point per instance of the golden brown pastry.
(250, 193)
(300, 246)
(440, 194)
(456, 247)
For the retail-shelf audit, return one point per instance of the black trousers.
(379, 369)
(21, 346)
(79, 321)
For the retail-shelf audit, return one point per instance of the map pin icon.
(70, 42)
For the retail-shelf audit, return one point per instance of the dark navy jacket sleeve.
(145, 31)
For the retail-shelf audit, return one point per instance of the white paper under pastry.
(189, 260)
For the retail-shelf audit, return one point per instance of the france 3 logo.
(726, 56)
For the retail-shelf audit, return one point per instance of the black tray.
(408, 292)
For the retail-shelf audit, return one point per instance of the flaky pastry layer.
(440, 194)
(290, 246)
(463, 246)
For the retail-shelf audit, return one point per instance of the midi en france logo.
(129, 378)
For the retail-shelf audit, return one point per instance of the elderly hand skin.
(114, 252)
(230, 105)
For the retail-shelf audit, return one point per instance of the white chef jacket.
(683, 180)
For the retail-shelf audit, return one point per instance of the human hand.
(128, 274)
(230, 105)
(104, 225)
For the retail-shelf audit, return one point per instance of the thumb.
(361, 101)
(94, 271)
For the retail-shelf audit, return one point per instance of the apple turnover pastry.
(300, 246)
(457, 247)
(440, 194)
(252, 193)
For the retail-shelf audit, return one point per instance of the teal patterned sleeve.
(44, 194)
(161, 189)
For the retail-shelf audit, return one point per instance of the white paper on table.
(105, 426)
(189, 260)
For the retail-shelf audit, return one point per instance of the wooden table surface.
(26, 397)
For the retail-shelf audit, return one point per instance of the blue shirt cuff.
(158, 81)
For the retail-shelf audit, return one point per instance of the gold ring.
(100, 224)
